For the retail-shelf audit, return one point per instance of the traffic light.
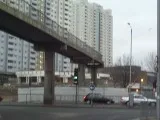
(75, 76)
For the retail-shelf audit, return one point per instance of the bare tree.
(123, 61)
(151, 62)
(120, 73)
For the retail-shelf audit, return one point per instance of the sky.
(142, 15)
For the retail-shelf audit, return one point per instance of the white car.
(138, 99)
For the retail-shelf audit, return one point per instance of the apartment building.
(94, 26)
(88, 21)
(15, 53)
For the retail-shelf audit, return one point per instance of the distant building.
(120, 74)
(37, 78)
(94, 26)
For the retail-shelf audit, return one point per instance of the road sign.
(92, 87)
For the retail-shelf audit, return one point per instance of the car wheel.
(88, 102)
(152, 104)
(108, 102)
(127, 103)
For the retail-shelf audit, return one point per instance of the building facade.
(94, 26)
(59, 12)
(88, 21)
(16, 54)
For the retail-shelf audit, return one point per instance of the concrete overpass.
(47, 36)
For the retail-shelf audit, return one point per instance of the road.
(59, 113)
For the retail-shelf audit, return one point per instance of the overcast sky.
(142, 15)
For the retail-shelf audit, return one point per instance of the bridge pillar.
(49, 80)
(81, 74)
(94, 75)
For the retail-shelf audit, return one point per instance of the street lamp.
(141, 80)
(130, 70)
(141, 85)
(158, 53)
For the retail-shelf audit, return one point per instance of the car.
(97, 98)
(138, 98)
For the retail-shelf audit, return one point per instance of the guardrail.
(38, 98)
(26, 12)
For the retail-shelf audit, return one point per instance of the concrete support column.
(81, 74)
(49, 80)
(94, 75)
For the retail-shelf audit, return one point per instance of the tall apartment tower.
(94, 26)
(60, 12)
(87, 21)
(15, 53)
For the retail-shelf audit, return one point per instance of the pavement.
(67, 113)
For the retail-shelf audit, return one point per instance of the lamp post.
(130, 69)
(158, 60)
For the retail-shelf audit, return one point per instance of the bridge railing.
(44, 22)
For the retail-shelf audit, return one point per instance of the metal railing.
(26, 12)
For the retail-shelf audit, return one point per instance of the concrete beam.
(49, 80)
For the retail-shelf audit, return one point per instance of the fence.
(38, 99)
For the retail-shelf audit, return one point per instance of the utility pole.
(158, 60)
(130, 69)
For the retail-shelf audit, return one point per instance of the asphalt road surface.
(60, 113)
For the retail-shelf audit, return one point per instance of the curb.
(67, 106)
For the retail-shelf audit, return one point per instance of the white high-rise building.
(88, 21)
(94, 26)
(15, 53)
(62, 15)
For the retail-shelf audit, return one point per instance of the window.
(66, 5)
(66, 9)
(10, 43)
(10, 67)
(11, 55)
(10, 61)
(11, 49)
